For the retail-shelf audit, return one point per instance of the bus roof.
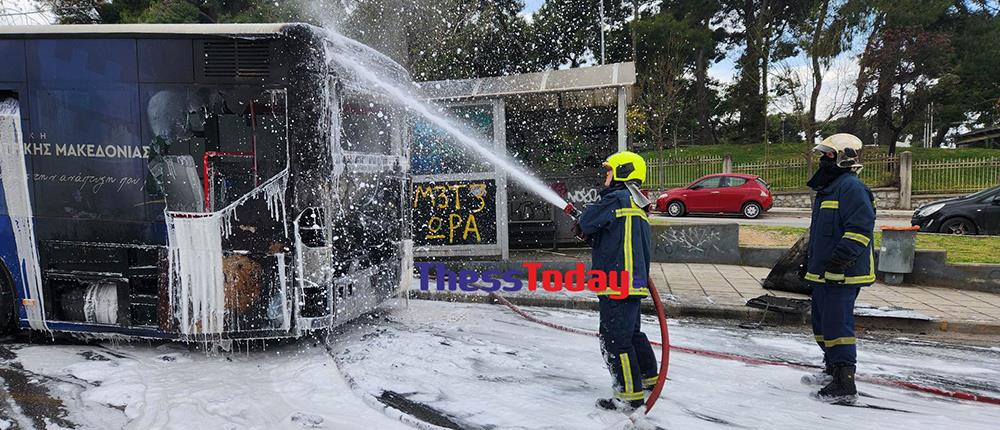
(65, 30)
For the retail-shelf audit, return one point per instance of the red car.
(720, 193)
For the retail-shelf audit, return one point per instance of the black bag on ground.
(786, 275)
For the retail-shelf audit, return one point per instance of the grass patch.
(961, 249)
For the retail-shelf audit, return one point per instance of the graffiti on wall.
(688, 241)
(696, 243)
(455, 213)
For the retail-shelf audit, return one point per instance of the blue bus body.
(197, 182)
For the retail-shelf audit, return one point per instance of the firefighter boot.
(820, 378)
(615, 404)
(842, 388)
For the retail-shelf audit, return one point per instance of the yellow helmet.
(627, 166)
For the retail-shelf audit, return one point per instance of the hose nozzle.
(572, 211)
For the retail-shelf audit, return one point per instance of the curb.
(885, 213)
(733, 313)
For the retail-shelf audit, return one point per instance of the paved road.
(775, 220)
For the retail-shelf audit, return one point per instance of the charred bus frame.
(194, 182)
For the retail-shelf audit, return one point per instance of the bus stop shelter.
(560, 124)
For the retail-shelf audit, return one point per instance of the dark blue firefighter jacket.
(841, 234)
(620, 237)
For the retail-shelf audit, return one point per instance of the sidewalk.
(882, 213)
(732, 286)
(721, 291)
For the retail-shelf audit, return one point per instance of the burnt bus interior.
(216, 117)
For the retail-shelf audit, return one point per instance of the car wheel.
(676, 209)
(7, 300)
(752, 210)
(958, 226)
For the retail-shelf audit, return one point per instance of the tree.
(968, 94)
(568, 32)
(826, 32)
(672, 44)
(763, 34)
(906, 60)
(454, 39)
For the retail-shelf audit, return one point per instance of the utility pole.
(600, 22)
(635, 19)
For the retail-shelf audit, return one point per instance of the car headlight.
(929, 210)
(763, 194)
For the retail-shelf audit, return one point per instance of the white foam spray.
(197, 282)
(14, 176)
(197, 277)
(372, 67)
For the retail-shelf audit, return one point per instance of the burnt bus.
(194, 182)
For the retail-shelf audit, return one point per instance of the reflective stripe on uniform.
(840, 341)
(627, 373)
(860, 238)
(650, 381)
(630, 396)
(830, 204)
(819, 338)
(630, 212)
(628, 250)
(848, 280)
(631, 292)
(833, 276)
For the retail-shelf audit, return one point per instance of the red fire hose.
(665, 360)
(661, 378)
(926, 389)
(664, 335)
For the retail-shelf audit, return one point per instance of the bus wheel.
(7, 300)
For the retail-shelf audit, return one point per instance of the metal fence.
(667, 173)
(880, 170)
(929, 177)
(960, 176)
(781, 175)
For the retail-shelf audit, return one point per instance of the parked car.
(736, 193)
(977, 213)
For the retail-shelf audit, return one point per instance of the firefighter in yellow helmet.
(617, 227)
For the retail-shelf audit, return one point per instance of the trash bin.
(896, 254)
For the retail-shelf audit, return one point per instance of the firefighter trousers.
(833, 322)
(625, 347)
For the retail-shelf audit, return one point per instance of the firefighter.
(617, 227)
(839, 261)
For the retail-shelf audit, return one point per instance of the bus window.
(366, 125)
(234, 139)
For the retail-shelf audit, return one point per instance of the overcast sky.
(532, 5)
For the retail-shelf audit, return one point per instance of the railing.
(880, 171)
(929, 177)
(960, 176)
(779, 174)
(667, 173)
